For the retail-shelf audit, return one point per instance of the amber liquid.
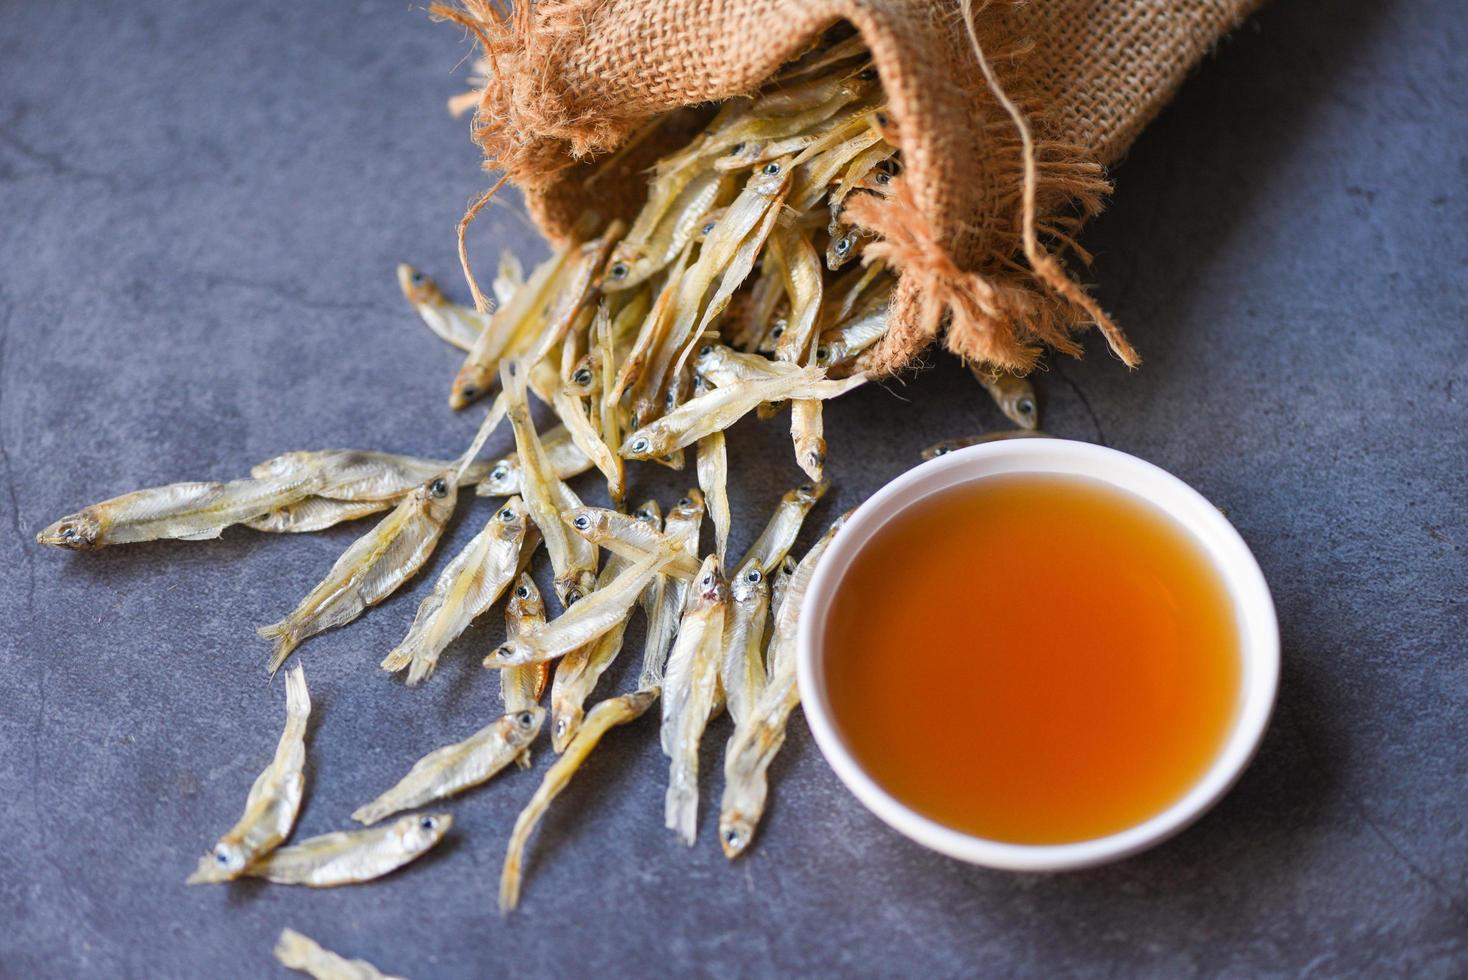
(1032, 658)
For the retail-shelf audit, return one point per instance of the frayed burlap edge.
(986, 275)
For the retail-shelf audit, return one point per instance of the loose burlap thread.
(1007, 115)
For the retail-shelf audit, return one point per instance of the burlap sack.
(1007, 116)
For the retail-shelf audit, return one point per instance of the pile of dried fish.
(735, 290)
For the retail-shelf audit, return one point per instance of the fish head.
(771, 179)
(807, 494)
(688, 509)
(418, 288)
(511, 653)
(417, 833)
(735, 833)
(710, 356)
(623, 264)
(587, 520)
(1018, 403)
(584, 374)
(749, 583)
(575, 585)
(648, 512)
(709, 586)
(650, 441)
(472, 383)
(79, 532)
(710, 222)
(438, 495)
(511, 520)
(521, 727)
(525, 601)
(503, 478)
(843, 249)
(226, 861)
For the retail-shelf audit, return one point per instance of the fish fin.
(208, 535)
(396, 660)
(421, 668)
(523, 759)
(286, 641)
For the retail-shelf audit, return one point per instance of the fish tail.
(370, 813)
(422, 667)
(297, 698)
(681, 809)
(286, 640)
(397, 659)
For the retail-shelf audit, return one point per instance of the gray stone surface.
(200, 209)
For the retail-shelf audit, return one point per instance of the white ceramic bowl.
(1254, 610)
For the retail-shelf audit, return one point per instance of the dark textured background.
(200, 209)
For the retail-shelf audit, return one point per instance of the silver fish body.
(354, 856)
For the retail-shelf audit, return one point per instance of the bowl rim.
(1235, 563)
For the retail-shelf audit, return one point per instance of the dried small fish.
(353, 856)
(713, 480)
(952, 445)
(586, 620)
(454, 768)
(629, 536)
(454, 324)
(689, 688)
(470, 583)
(502, 477)
(314, 514)
(187, 511)
(298, 952)
(664, 599)
(742, 665)
(722, 407)
(371, 569)
(360, 475)
(605, 716)
(512, 325)
(572, 413)
(755, 742)
(546, 495)
(522, 687)
(1014, 395)
(723, 366)
(274, 800)
(775, 541)
(578, 671)
(641, 255)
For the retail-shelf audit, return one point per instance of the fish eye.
(523, 592)
(525, 719)
(867, 74)
(1025, 406)
(418, 278)
(642, 515)
(640, 445)
(754, 576)
(732, 838)
(439, 488)
(582, 377)
(705, 350)
(620, 270)
(881, 119)
(772, 168)
(822, 353)
(573, 597)
(469, 391)
(500, 472)
(582, 523)
(68, 532)
(736, 149)
(507, 515)
(707, 581)
(884, 177)
(672, 400)
(941, 451)
(684, 502)
(843, 246)
(708, 227)
(220, 857)
(428, 823)
(779, 329)
(805, 488)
